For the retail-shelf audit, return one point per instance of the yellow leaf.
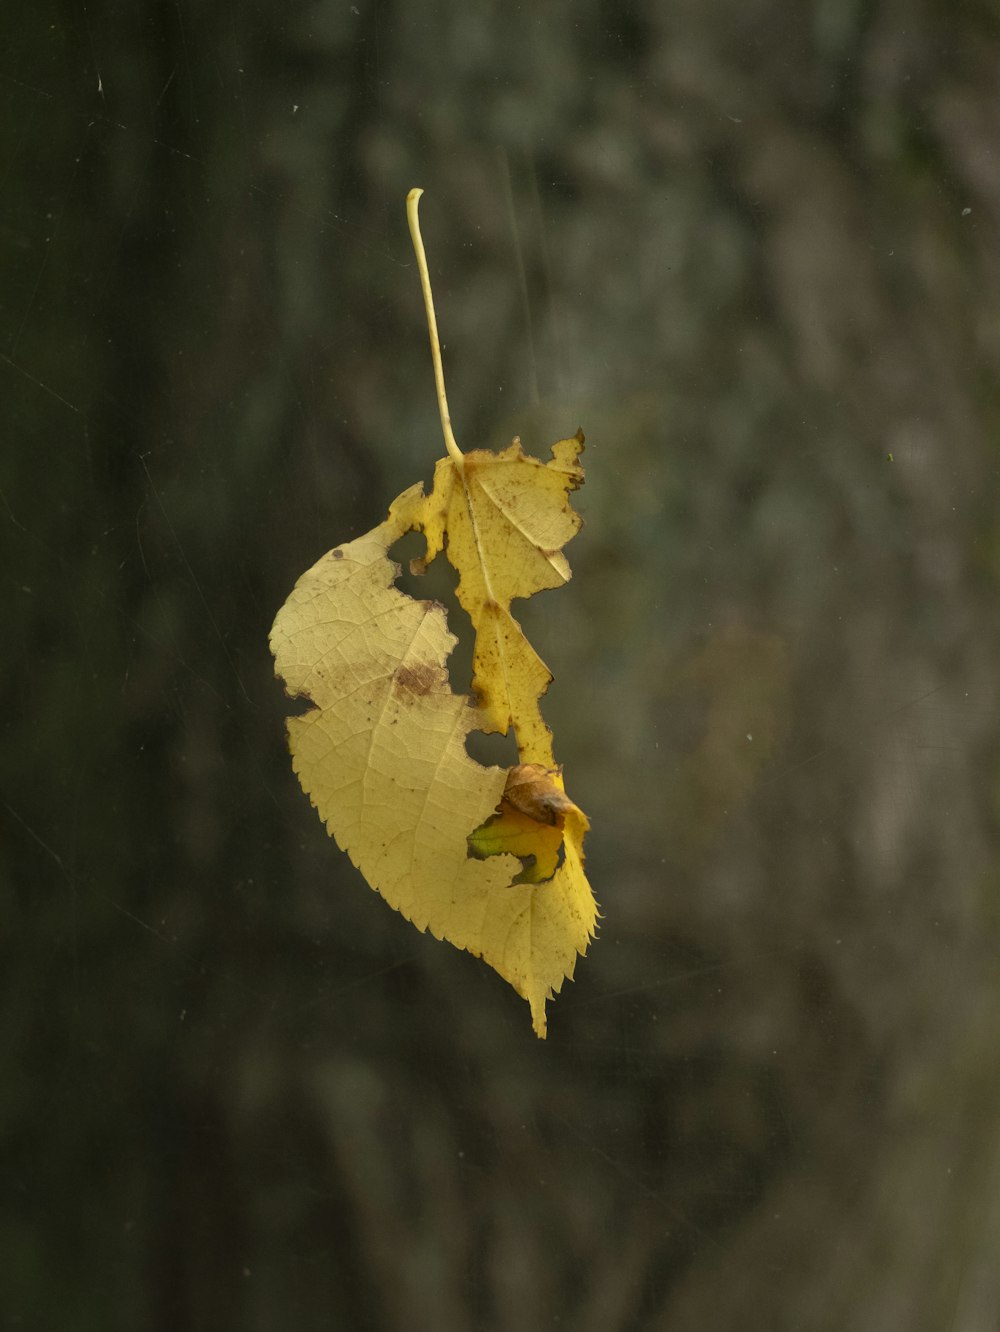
(529, 822)
(506, 518)
(489, 859)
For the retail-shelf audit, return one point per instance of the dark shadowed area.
(753, 250)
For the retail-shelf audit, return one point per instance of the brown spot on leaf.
(417, 680)
(337, 554)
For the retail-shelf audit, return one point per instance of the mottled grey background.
(761, 269)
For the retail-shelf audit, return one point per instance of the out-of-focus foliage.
(758, 251)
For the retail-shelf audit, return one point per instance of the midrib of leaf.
(490, 596)
(512, 522)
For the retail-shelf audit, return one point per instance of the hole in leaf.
(492, 751)
(529, 873)
(298, 705)
(438, 583)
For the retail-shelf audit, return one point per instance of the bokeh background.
(752, 249)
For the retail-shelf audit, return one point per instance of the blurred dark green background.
(753, 250)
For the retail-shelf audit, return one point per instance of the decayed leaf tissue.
(490, 859)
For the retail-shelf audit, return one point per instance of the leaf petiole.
(412, 204)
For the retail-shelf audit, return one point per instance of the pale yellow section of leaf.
(506, 517)
(382, 757)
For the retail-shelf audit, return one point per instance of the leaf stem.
(412, 204)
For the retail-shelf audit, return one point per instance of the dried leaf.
(489, 859)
